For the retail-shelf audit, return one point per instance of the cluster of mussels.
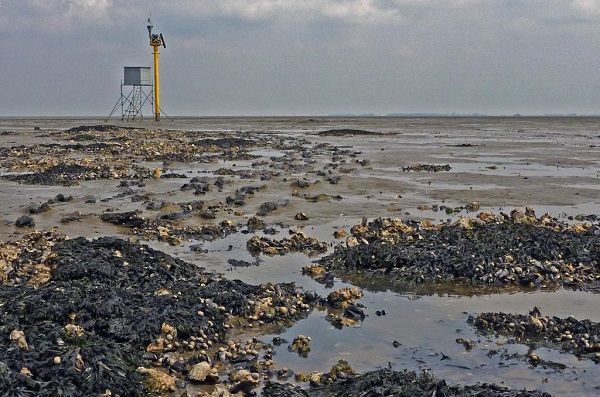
(165, 230)
(427, 168)
(579, 337)
(519, 249)
(297, 242)
(70, 172)
(386, 382)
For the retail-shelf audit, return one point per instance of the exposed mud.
(249, 199)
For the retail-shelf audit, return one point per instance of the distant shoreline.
(332, 116)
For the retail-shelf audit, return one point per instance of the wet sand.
(551, 164)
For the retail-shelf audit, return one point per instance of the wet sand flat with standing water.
(300, 256)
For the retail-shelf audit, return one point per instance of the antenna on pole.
(150, 26)
(156, 40)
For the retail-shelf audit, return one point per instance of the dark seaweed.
(540, 256)
(385, 382)
(106, 286)
(578, 337)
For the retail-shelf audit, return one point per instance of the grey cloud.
(305, 56)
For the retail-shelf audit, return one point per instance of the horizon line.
(333, 115)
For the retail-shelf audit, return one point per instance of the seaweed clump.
(298, 242)
(517, 249)
(69, 173)
(386, 382)
(165, 229)
(95, 128)
(427, 168)
(578, 337)
(105, 310)
(348, 132)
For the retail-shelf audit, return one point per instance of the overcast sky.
(305, 57)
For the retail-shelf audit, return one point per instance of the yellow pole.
(156, 86)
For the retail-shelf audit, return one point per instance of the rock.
(474, 206)
(168, 329)
(25, 221)
(341, 321)
(18, 338)
(314, 378)
(340, 233)
(208, 214)
(157, 346)
(61, 198)
(344, 297)
(202, 372)
(536, 323)
(334, 179)
(533, 358)
(57, 360)
(266, 208)
(129, 219)
(243, 375)
(354, 312)
(341, 370)
(26, 372)
(301, 345)
(44, 207)
(301, 184)
(255, 223)
(314, 270)
(74, 331)
(156, 205)
(351, 242)
(158, 381)
(321, 197)
(301, 216)
(219, 391)
(467, 343)
(580, 228)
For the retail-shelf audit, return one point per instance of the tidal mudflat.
(300, 256)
